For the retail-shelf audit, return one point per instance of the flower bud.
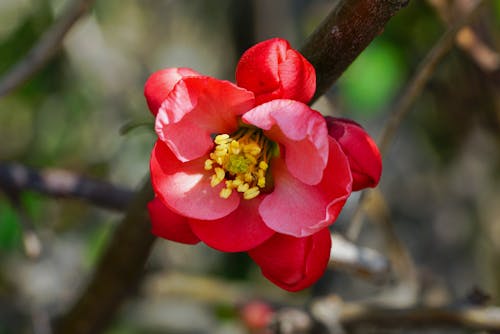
(361, 151)
(273, 70)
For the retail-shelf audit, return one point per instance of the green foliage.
(10, 228)
(373, 79)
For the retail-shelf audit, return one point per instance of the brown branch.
(344, 34)
(45, 48)
(117, 274)
(63, 184)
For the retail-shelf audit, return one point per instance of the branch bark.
(117, 274)
(63, 184)
(344, 34)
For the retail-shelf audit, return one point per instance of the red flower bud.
(362, 152)
(273, 70)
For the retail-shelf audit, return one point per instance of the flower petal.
(239, 231)
(196, 108)
(301, 130)
(364, 157)
(293, 263)
(298, 209)
(273, 70)
(185, 187)
(169, 225)
(161, 82)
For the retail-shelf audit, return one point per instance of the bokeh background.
(441, 179)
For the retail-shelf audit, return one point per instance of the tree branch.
(344, 34)
(332, 311)
(118, 272)
(46, 47)
(63, 184)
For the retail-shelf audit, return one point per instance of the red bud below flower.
(362, 152)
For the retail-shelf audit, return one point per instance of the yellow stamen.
(242, 160)
(251, 193)
(261, 182)
(243, 187)
(225, 193)
(209, 164)
(222, 139)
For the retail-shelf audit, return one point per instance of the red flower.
(248, 167)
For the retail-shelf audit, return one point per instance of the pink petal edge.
(197, 108)
(301, 130)
(297, 209)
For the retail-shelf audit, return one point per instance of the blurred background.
(440, 185)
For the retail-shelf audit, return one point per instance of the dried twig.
(332, 313)
(467, 37)
(408, 97)
(63, 184)
(421, 77)
(46, 47)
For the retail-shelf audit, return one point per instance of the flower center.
(242, 159)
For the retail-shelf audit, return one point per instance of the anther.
(225, 193)
(241, 160)
(251, 193)
(209, 164)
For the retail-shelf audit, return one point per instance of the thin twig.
(423, 74)
(467, 37)
(412, 91)
(46, 47)
(63, 184)
(332, 311)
